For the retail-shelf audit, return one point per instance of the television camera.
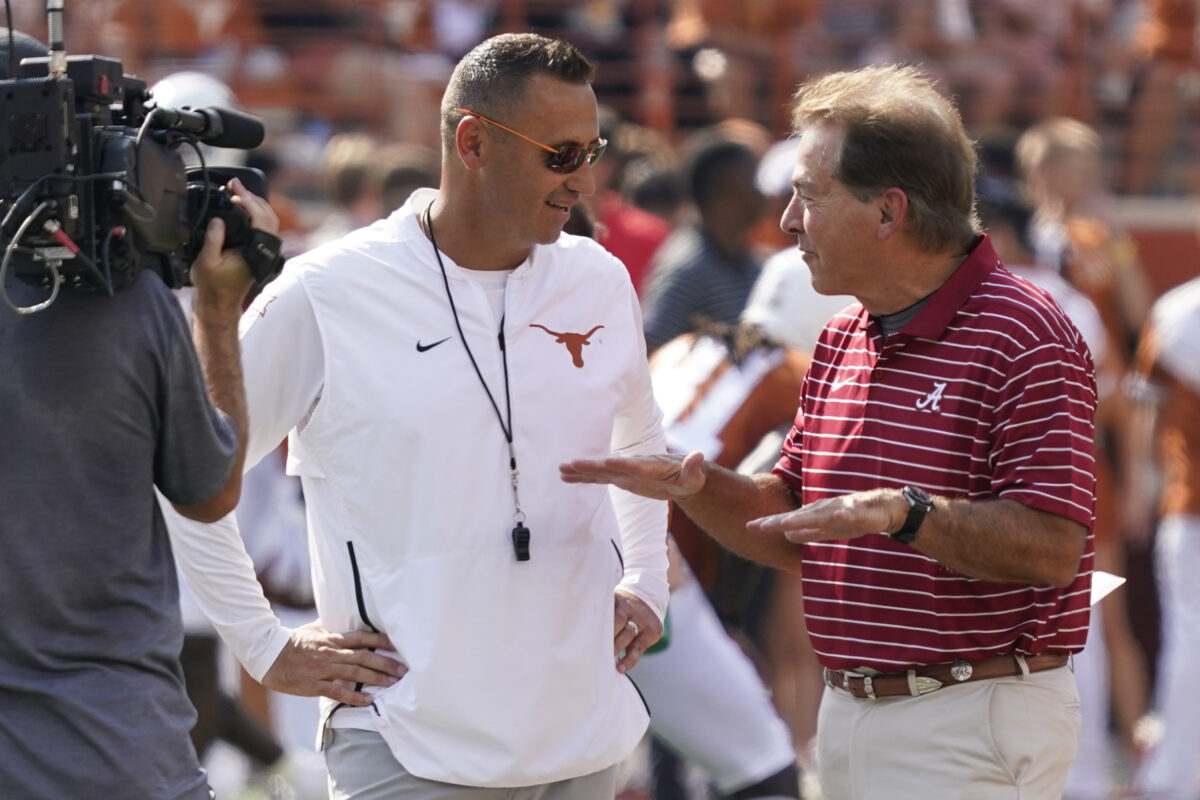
(93, 187)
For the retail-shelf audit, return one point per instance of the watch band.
(919, 504)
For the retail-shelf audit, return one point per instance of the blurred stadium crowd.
(1086, 112)
(1128, 67)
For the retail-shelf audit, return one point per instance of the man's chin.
(550, 237)
(822, 285)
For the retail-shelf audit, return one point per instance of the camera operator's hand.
(222, 277)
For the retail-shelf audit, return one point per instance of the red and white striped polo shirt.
(988, 392)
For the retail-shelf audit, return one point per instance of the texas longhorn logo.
(573, 341)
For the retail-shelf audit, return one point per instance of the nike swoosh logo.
(833, 387)
(421, 348)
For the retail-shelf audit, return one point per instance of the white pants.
(1000, 739)
(706, 700)
(1172, 768)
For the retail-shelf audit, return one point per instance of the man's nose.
(582, 181)
(792, 221)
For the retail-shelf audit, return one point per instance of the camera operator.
(105, 399)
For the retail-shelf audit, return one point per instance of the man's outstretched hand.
(660, 477)
(316, 662)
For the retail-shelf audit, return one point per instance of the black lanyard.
(520, 534)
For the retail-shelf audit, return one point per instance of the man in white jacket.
(431, 371)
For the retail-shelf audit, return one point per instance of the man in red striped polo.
(937, 488)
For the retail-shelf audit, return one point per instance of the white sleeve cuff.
(220, 575)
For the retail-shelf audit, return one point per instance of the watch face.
(918, 496)
(919, 504)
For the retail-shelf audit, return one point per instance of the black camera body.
(93, 188)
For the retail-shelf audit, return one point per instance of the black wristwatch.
(919, 504)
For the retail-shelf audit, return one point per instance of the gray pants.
(362, 767)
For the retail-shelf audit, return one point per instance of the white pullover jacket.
(405, 468)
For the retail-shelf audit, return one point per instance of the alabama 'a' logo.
(933, 401)
(573, 341)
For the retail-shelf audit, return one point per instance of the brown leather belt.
(923, 680)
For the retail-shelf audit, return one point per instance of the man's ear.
(469, 142)
(893, 208)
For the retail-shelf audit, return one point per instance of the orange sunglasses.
(565, 158)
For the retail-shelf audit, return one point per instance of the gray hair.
(899, 131)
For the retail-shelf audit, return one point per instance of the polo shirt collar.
(952, 295)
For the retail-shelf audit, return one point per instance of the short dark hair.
(707, 162)
(491, 78)
(405, 168)
(1000, 203)
(652, 187)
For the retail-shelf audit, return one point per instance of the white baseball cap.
(194, 89)
(774, 175)
(784, 304)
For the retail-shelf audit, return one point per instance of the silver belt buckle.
(927, 685)
(919, 684)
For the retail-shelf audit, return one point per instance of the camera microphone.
(219, 127)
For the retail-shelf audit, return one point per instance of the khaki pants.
(362, 767)
(1000, 739)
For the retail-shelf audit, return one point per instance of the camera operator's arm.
(222, 280)
(308, 660)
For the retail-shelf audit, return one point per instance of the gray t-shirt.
(102, 399)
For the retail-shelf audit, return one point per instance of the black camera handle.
(264, 254)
